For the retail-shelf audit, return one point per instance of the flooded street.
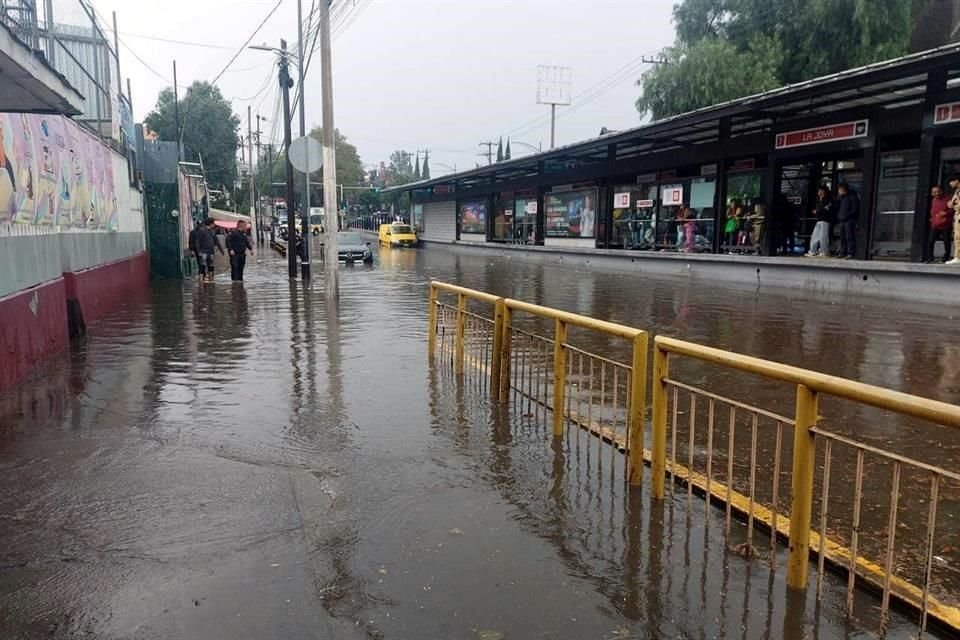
(242, 461)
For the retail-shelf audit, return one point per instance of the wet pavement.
(241, 461)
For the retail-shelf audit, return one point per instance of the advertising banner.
(571, 215)
(54, 173)
(818, 135)
(473, 217)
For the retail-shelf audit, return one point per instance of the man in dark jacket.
(238, 243)
(207, 241)
(848, 211)
(192, 243)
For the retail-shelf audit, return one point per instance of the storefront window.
(896, 197)
(473, 217)
(742, 223)
(634, 214)
(502, 227)
(571, 214)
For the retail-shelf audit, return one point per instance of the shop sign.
(748, 164)
(644, 204)
(646, 177)
(621, 200)
(832, 133)
(672, 197)
(708, 170)
(945, 113)
(508, 213)
(667, 175)
(531, 207)
(442, 188)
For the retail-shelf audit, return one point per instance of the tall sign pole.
(285, 82)
(305, 212)
(331, 264)
(553, 88)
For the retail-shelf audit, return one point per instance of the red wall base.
(34, 323)
(34, 328)
(101, 289)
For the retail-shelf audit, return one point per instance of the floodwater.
(243, 461)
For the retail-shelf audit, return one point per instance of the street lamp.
(533, 148)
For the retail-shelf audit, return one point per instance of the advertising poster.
(473, 217)
(54, 173)
(571, 214)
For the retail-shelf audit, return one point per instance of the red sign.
(743, 165)
(945, 113)
(833, 133)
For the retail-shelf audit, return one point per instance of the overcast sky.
(410, 74)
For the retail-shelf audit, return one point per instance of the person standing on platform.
(848, 212)
(941, 223)
(820, 240)
(207, 241)
(238, 243)
(955, 207)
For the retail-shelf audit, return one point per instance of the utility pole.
(489, 154)
(285, 83)
(176, 113)
(253, 189)
(553, 125)
(332, 262)
(258, 210)
(305, 212)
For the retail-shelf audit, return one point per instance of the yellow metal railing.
(798, 526)
(744, 457)
(544, 372)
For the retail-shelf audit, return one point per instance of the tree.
(425, 171)
(416, 168)
(506, 154)
(500, 150)
(726, 49)
(349, 166)
(209, 128)
(401, 169)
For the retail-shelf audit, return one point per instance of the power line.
(205, 45)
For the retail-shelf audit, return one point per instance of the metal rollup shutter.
(440, 221)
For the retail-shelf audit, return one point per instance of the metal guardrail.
(481, 335)
(599, 394)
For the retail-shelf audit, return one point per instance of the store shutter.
(440, 221)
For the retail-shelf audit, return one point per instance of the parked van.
(397, 234)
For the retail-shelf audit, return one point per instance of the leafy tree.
(425, 171)
(401, 169)
(209, 128)
(349, 167)
(727, 49)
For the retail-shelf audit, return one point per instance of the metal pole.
(51, 26)
(97, 70)
(329, 157)
(553, 124)
(305, 214)
(253, 199)
(176, 113)
(116, 50)
(285, 83)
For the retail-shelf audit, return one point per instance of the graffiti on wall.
(53, 172)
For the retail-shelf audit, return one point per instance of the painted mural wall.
(55, 173)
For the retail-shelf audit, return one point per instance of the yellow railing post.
(559, 376)
(638, 407)
(432, 315)
(802, 500)
(658, 463)
(497, 350)
(504, 382)
(461, 328)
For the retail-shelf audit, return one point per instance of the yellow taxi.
(397, 234)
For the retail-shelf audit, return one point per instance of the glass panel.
(686, 216)
(793, 199)
(743, 218)
(896, 198)
(525, 221)
(633, 226)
